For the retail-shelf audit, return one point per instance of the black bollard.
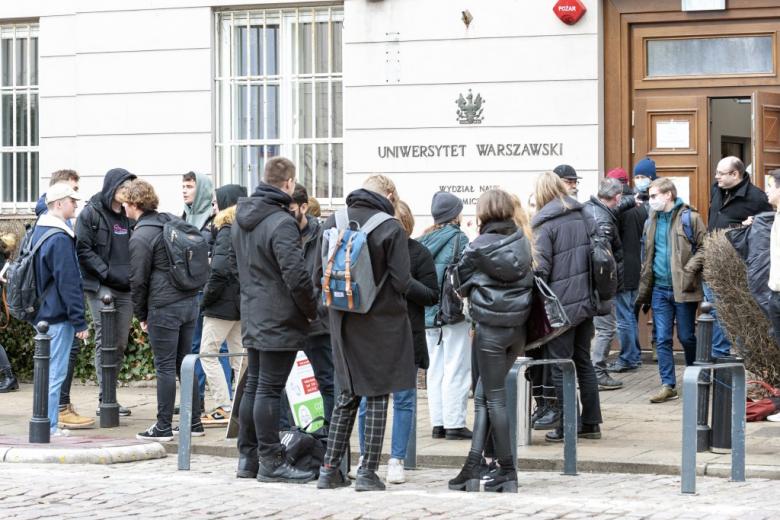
(703, 357)
(721, 408)
(40, 427)
(109, 409)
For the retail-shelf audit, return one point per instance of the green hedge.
(18, 342)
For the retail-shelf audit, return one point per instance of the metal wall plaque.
(703, 5)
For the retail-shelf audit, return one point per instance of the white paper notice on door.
(683, 186)
(672, 134)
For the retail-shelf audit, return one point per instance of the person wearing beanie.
(449, 345)
(569, 177)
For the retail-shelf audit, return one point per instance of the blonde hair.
(664, 185)
(548, 188)
(314, 208)
(382, 185)
(521, 217)
(404, 214)
(141, 194)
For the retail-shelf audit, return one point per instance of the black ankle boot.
(8, 382)
(469, 477)
(368, 480)
(277, 469)
(549, 420)
(247, 465)
(332, 478)
(502, 481)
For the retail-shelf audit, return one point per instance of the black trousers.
(575, 345)
(320, 353)
(258, 414)
(72, 359)
(496, 349)
(170, 335)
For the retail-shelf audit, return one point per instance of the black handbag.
(547, 320)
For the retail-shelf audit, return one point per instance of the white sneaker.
(353, 470)
(395, 471)
(59, 432)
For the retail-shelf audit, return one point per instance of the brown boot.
(68, 418)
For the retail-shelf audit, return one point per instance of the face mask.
(657, 205)
(642, 185)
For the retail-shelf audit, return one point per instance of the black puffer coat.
(373, 353)
(752, 244)
(277, 297)
(150, 281)
(495, 275)
(562, 255)
(311, 238)
(423, 291)
(631, 223)
(606, 223)
(221, 296)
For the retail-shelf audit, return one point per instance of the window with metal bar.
(18, 116)
(279, 92)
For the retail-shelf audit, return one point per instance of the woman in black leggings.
(495, 275)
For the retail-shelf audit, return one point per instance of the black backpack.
(305, 450)
(450, 301)
(187, 250)
(21, 288)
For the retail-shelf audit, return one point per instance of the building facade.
(438, 95)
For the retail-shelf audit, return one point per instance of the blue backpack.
(348, 281)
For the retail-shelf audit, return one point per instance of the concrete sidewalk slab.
(78, 450)
(637, 437)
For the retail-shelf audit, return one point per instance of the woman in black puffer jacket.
(495, 275)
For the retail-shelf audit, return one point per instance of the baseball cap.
(564, 171)
(61, 190)
(619, 174)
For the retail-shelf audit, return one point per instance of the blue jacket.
(441, 243)
(57, 275)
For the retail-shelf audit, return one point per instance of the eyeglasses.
(719, 173)
(573, 182)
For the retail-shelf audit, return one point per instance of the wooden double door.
(673, 130)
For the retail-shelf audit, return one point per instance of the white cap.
(60, 191)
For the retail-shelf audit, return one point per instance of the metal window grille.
(278, 85)
(18, 116)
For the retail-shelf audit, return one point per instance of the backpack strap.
(374, 222)
(34, 249)
(348, 273)
(329, 270)
(688, 228)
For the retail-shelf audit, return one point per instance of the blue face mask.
(642, 184)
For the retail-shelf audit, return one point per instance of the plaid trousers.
(343, 420)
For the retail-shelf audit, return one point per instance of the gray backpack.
(348, 280)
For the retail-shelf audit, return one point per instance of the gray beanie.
(445, 207)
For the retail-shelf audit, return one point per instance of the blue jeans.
(404, 402)
(61, 342)
(721, 347)
(665, 312)
(627, 327)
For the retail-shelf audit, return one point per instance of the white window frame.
(290, 128)
(17, 32)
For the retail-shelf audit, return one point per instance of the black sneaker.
(155, 434)
(457, 434)
(607, 382)
(197, 430)
(438, 432)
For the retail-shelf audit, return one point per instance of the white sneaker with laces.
(395, 471)
(353, 470)
(59, 432)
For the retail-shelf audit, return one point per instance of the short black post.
(109, 409)
(721, 407)
(40, 427)
(703, 357)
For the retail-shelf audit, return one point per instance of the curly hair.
(141, 194)
(7, 245)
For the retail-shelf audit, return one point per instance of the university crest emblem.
(470, 109)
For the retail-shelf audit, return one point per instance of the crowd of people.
(269, 287)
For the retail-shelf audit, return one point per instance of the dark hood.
(265, 201)
(312, 230)
(41, 207)
(554, 209)
(504, 258)
(113, 179)
(229, 194)
(361, 198)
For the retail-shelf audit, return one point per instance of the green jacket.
(686, 266)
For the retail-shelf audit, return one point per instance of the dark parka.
(150, 281)
(606, 223)
(630, 224)
(373, 352)
(496, 276)
(221, 296)
(95, 233)
(728, 208)
(277, 297)
(423, 291)
(311, 240)
(562, 255)
(752, 244)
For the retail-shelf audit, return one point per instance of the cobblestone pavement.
(153, 489)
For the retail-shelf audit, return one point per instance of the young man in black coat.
(733, 199)
(277, 305)
(373, 352)
(103, 232)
